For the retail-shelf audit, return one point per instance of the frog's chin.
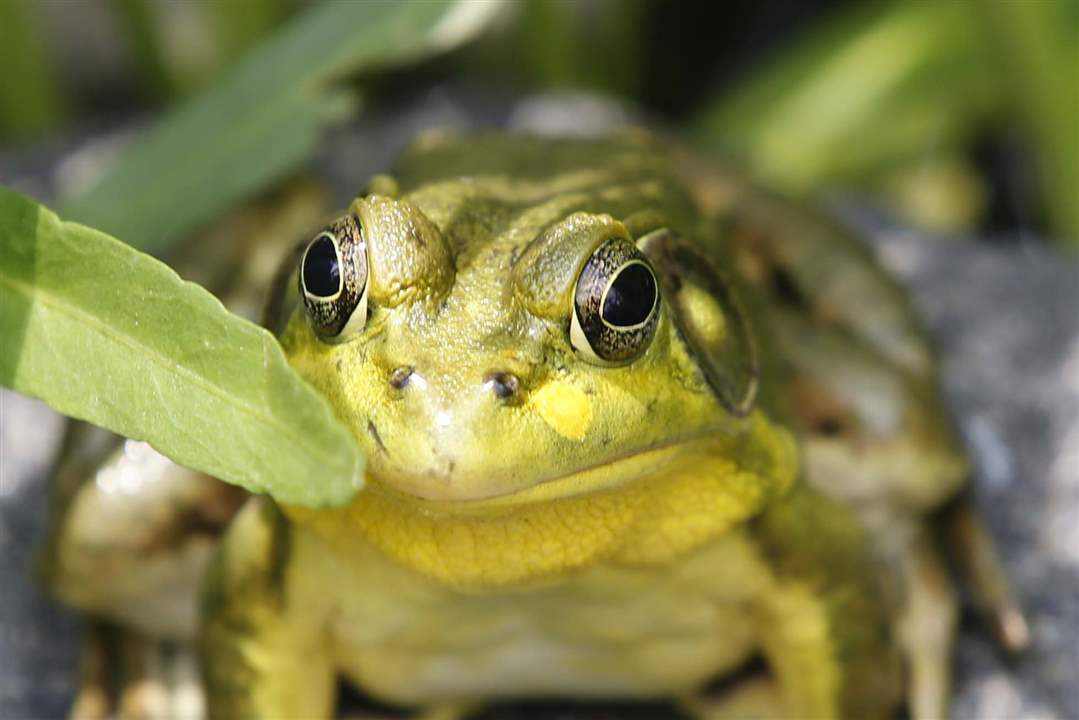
(452, 491)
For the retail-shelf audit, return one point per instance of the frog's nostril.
(503, 384)
(400, 376)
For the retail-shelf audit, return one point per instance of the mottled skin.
(504, 548)
(600, 531)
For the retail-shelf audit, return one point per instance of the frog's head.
(496, 340)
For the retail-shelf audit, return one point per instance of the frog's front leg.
(265, 642)
(263, 645)
(827, 654)
(825, 630)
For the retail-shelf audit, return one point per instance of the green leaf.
(104, 333)
(263, 118)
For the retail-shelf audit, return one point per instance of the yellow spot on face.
(565, 408)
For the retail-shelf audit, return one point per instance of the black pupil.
(321, 271)
(630, 297)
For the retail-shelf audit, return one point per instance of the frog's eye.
(333, 280)
(615, 304)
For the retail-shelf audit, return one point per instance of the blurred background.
(946, 132)
(959, 117)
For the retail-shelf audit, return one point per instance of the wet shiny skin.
(538, 522)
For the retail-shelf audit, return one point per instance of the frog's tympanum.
(634, 429)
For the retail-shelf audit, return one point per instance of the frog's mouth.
(432, 489)
(762, 450)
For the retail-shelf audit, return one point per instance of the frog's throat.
(707, 488)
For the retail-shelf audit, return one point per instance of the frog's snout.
(502, 384)
(433, 437)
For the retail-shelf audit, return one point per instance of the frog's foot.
(975, 555)
(753, 698)
(132, 677)
(927, 629)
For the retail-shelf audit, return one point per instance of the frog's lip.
(606, 474)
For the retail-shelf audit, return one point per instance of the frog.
(634, 427)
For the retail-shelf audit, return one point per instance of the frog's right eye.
(333, 280)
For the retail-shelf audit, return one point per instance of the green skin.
(539, 521)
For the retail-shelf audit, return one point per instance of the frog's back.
(856, 370)
(626, 175)
(855, 373)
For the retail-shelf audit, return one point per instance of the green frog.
(634, 429)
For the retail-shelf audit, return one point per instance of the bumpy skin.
(755, 483)
(599, 531)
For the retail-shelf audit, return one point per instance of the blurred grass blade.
(140, 31)
(264, 116)
(878, 83)
(550, 43)
(238, 26)
(1037, 47)
(586, 44)
(30, 99)
(106, 334)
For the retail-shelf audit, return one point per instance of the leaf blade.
(263, 118)
(106, 334)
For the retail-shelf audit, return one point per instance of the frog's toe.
(93, 700)
(158, 681)
(927, 628)
(972, 548)
(186, 693)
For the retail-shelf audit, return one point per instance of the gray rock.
(1006, 323)
(38, 637)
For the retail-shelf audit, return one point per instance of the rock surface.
(1006, 322)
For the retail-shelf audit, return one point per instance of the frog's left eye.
(333, 280)
(615, 304)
